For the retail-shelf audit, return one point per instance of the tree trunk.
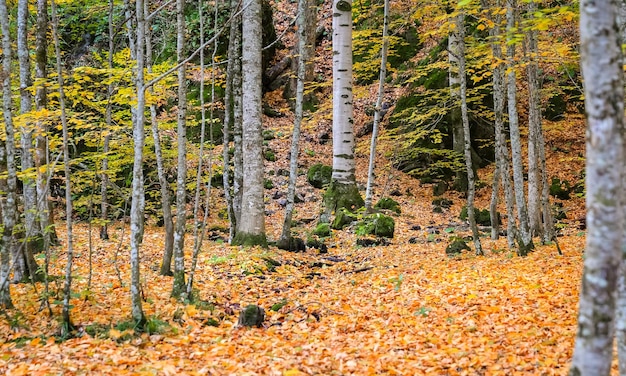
(166, 199)
(104, 176)
(456, 121)
(229, 116)
(237, 124)
(601, 63)
(181, 180)
(251, 226)
(136, 208)
(525, 241)
(343, 191)
(303, 58)
(460, 27)
(8, 162)
(67, 289)
(378, 108)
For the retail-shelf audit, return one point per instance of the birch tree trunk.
(8, 160)
(525, 241)
(251, 226)
(67, 289)
(136, 207)
(25, 267)
(378, 108)
(303, 58)
(181, 180)
(343, 192)
(601, 63)
(104, 176)
(166, 199)
(237, 121)
(456, 121)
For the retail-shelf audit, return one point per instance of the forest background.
(389, 289)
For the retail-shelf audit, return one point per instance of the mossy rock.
(342, 219)
(292, 244)
(482, 217)
(389, 204)
(268, 184)
(269, 155)
(443, 202)
(376, 224)
(319, 175)
(312, 242)
(371, 242)
(456, 246)
(322, 230)
(560, 189)
(252, 315)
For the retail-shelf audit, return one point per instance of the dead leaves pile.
(401, 309)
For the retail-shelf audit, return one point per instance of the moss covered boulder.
(456, 246)
(376, 224)
(319, 175)
(342, 219)
(388, 204)
(483, 217)
(322, 230)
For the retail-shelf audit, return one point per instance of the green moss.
(269, 155)
(342, 219)
(376, 224)
(340, 196)
(322, 230)
(456, 246)
(250, 240)
(268, 184)
(319, 175)
(179, 284)
(388, 204)
(482, 217)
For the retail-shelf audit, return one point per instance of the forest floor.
(405, 308)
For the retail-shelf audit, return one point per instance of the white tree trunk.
(136, 208)
(516, 143)
(251, 225)
(8, 157)
(378, 108)
(181, 180)
(343, 135)
(601, 63)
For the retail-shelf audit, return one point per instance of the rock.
(456, 246)
(319, 175)
(389, 204)
(376, 224)
(252, 315)
(292, 244)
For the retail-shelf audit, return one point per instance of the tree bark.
(525, 241)
(251, 226)
(137, 201)
(601, 63)
(378, 107)
(181, 180)
(8, 160)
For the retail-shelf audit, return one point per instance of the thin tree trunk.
(456, 121)
(136, 210)
(378, 108)
(104, 176)
(237, 127)
(601, 63)
(181, 180)
(303, 58)
(493, 204)
(460, 27)
(166, 199)
(8, 159)
(67, 289)
(233, 53)
(526, 242)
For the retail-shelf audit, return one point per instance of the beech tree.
(251, 224)
(7, 163)
(601, 64)
(342, 192)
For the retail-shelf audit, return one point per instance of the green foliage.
(456, 246)
(269, 155)
(560, 189)
(482, 217)
(322, 230)
(342, 219)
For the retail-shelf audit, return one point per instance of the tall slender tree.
(7, 160)
(137, 201)
(378, 107)
(343, 191)
(601, 63)
(251, 226)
